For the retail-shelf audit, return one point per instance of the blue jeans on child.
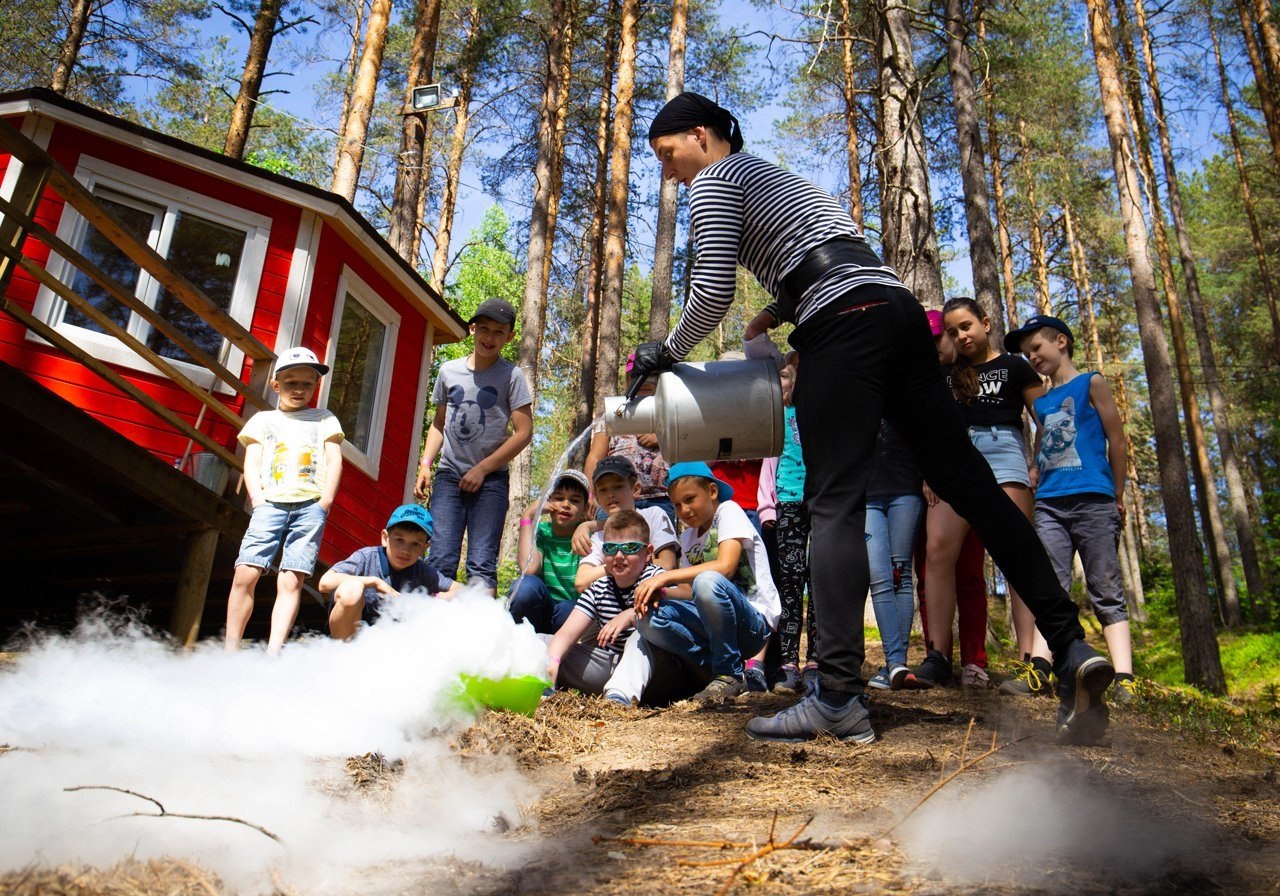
(479, 515)
(297, 525)
(715, 630)
(892, 521)
(531, 600)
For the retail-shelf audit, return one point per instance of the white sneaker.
(974, 676)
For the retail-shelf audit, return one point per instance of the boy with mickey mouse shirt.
(483, 419)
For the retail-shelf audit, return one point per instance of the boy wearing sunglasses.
(720, 607)
(606, 606)
(616, 486)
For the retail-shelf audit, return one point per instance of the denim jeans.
(298, 526)
(479, 515)
(892, 522)
(867, 356)
(716, 630)
(531, 600)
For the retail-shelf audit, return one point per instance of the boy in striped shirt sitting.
(605, 608)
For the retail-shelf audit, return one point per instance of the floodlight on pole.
(428, 98)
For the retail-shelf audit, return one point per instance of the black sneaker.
(788, 681)
(722, 687)
(1083, 679)
(935, 671)
(811, 717)
(1029, 680)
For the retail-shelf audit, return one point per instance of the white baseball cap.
(299, 357)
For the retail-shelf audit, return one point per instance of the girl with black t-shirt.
(992, 389)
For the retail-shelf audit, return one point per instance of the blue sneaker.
(811, 717)
(880, 681)
(618, 698)
(754, 677)
(788, 681)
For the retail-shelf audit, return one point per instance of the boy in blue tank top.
(1081, 455)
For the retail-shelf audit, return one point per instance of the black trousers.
(868, 356)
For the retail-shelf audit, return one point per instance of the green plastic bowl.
(517, 693)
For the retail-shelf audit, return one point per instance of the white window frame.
(349, 283)
(96, 174)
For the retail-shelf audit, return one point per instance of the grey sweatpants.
(1089, 525)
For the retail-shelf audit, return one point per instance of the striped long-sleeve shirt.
(749, 211)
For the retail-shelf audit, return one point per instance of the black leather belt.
(820, 259)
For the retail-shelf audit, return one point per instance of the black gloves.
(649, 357)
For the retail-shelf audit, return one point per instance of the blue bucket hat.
(701, 470)
(414, 515)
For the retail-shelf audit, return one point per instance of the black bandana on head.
(689, 110)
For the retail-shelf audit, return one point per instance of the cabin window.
(361, 351)
(216, 246)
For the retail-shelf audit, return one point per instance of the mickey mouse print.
(478, 407)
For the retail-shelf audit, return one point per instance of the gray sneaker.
(811, 717)
(1082, 682)
(722, 687)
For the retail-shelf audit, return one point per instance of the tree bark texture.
(69, 52)
(853, 155)
(255, 67)
(600, 212)
(973, 170)
(411, 162)
(910, 242)
(1246, 194)
(664, 250)
(351, 142)
(1204, 340)
(457, 147)
(1007, 278)
(1039, 263)
(1202, 664)
(615, 239)
(1266, 89)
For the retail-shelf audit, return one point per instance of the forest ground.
(1155, 809)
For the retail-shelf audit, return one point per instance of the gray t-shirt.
(479, 406)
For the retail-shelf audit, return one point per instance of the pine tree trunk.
(1201, 468)
(411, 162)
(852, 153)
(664, 250)
(1135, 500)
(1202, 665)
(458, 146)
(69, 52)
(600, 211)
(351, 141)
(1270, 40)
(615, 240)
(255, 66)
(1246, 195)
(350, 69)
(1039, 265)
(910, 242)
(1007, 281)
(973, 171)
(1266, 91)
(1204, 341)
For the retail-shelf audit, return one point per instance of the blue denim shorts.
(1002, 447)
(298, 526)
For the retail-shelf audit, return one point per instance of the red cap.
(935, 321)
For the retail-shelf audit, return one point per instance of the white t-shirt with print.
(661, 535)
(293, 467)
(753, 576)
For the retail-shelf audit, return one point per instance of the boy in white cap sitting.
(292, 464)
(359, 584)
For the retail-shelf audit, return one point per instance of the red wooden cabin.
(200, 269)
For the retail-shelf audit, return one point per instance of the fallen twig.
(164, 813)
(965, 765)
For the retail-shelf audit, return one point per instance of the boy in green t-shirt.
(545, 593)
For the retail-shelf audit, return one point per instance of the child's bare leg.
(945, 530)
(348, 608)
(1119, 646)
(240, 603)
(285, 610)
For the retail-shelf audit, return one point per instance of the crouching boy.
(720, 606)
(607, 605)
(359, 584)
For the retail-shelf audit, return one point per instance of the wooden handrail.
(132, 302)
(79, 197)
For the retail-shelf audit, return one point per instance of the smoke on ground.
(259, 739)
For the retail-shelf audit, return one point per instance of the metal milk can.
(707, 410)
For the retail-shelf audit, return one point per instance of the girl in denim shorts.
(992, 389)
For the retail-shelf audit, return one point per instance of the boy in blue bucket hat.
(359, 584)
(720, 606)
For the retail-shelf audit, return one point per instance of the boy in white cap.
(292, 464)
